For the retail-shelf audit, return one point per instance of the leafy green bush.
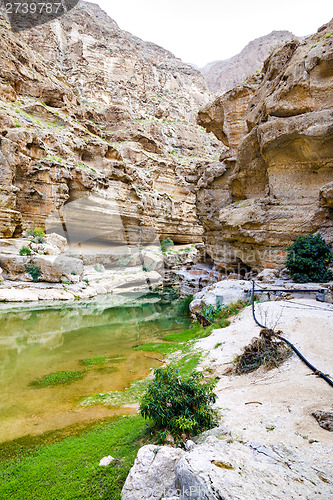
(147, 268)
(309, 259)
(167, 243)
(34, 272)
(179, 405)
(25, 251)
(38, 234)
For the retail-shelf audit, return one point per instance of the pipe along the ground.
(313, 368)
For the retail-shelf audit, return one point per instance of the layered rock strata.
(98, 133)
(275, 181)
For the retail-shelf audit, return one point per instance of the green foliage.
(161, 347)
(25, 251)
(38, 234)
(125, 261)
(192, 333)
(57, 378)
(309, 259)
(167, 243)
(34, 272)
(179, 405)
(101, 360)
(147, 268)
(218, 315)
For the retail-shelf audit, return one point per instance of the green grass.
(70, 469)
(181, 340)
(131, 395)
(187, 364)
(161, 347)
(196, 332)
(101, 360)
(57, 378)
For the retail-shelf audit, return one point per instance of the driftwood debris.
(202, 320)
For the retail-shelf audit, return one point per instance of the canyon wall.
(98, 133)
(275, 181)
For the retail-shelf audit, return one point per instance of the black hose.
(313, 368)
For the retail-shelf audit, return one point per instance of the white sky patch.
(201, 31)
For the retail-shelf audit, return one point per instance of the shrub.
(309, 259)
(125, 261)
(34, 272)
(165, 244)
(25, 251)
(179, 405)
(221, 312)
(38, 234)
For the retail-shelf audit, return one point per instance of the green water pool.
(95, 338)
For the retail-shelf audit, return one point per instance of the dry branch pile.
(264, 350)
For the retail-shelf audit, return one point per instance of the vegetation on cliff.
(309, 259)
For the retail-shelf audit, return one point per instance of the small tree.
(179, 405)
(309, 259)
(167, 243)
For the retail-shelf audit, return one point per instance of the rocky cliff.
(224, 75)
(275, 181)
(98, 133)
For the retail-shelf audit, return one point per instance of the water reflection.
(36, 341)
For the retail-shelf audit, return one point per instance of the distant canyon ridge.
(224, 75)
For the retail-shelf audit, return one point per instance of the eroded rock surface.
(224, 468)
(274, 183)
(95, 121)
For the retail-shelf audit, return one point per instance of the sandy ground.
(275, 406)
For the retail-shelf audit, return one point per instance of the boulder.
(54, 269)
(324, 419)
(223, 292)
(226, 469)
(153, 473)
(268, 275)
(57, 241)
(13, 267)
(106, 460)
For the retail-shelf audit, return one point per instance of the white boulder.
(153, 473)
(106, 461)
(223, 292)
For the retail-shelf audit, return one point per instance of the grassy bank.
(69, 469)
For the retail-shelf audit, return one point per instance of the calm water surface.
(38, 340)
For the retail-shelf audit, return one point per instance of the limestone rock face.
(95, 119)
(275, 180)
(226, 469)
(153, 473)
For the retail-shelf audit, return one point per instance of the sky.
(202, 31)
